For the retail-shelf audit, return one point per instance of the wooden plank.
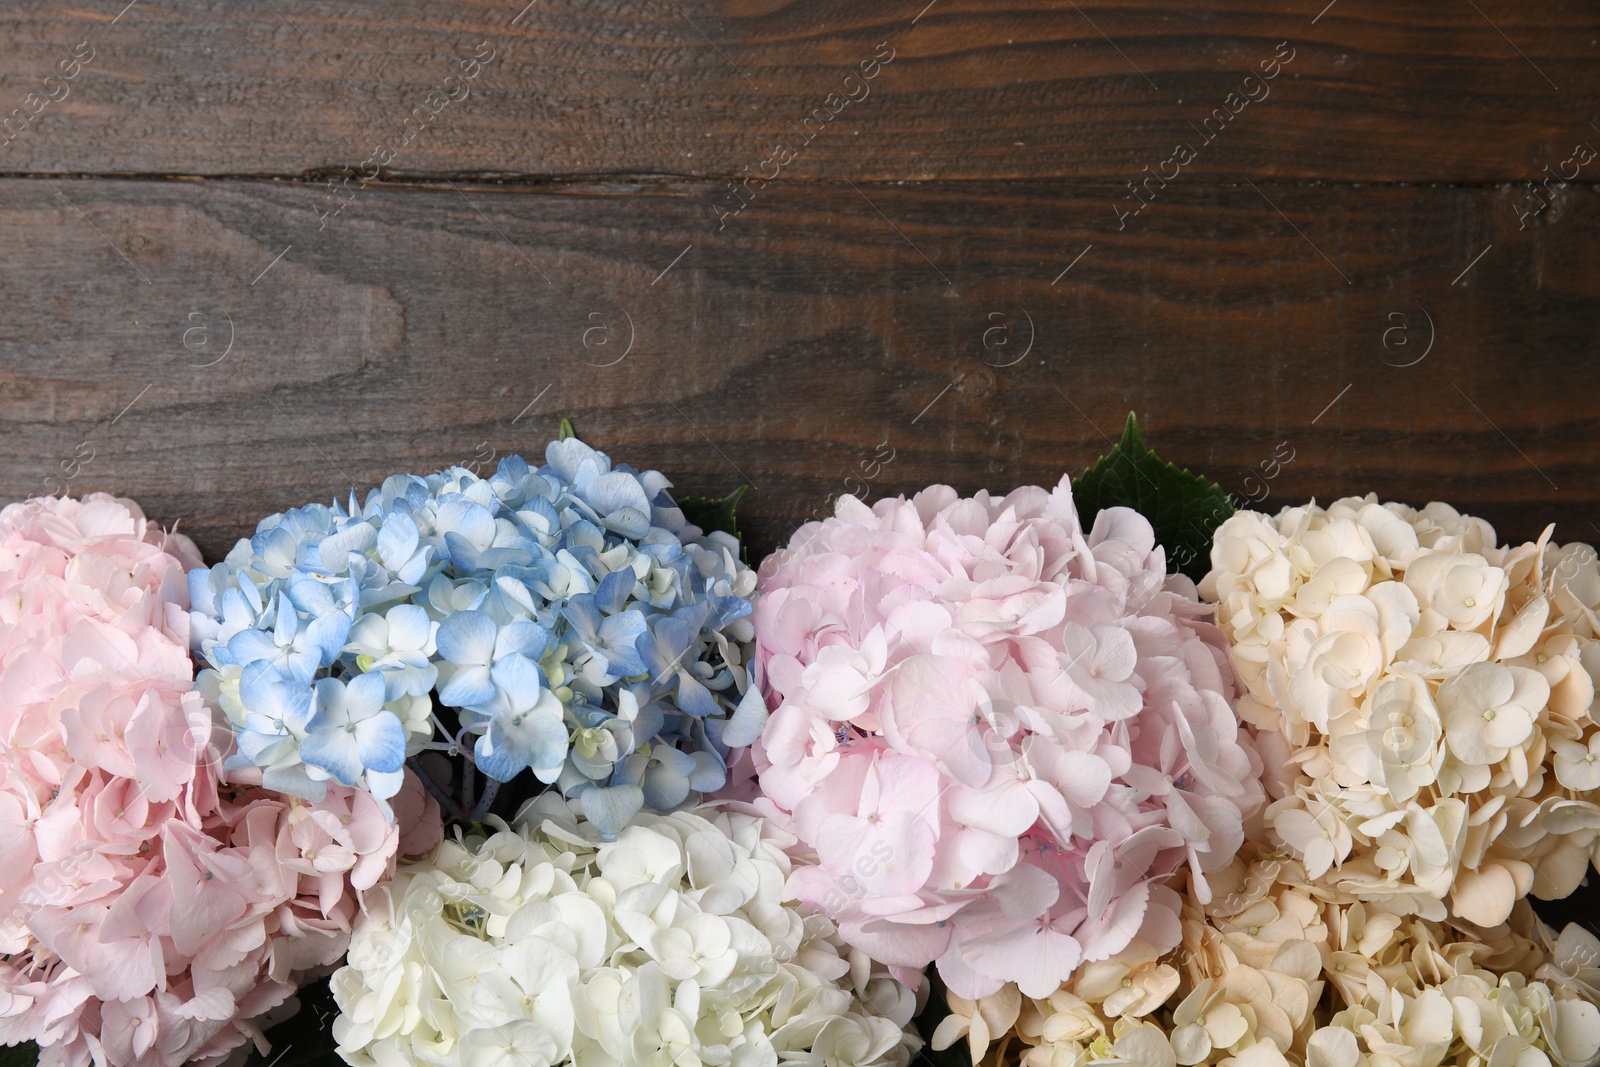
(1405, 90)
(982, 334)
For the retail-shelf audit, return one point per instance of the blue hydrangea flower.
(563, 621)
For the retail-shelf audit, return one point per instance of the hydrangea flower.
(1425, 698)
(996, 734)
(671, 943)
(1276, 969)
(150, 913)
(565, 621)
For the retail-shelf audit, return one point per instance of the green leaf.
(23, 1055)
(566, 430)
(1184, 508)
(710, 513)
(306, 1038)
(933, 1013)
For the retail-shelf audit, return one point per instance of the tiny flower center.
(1127, 983)
(1472, 602)
(1254, 930)
(1489, 714)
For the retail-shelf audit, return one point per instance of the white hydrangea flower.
(538, 944)
(1436, 696)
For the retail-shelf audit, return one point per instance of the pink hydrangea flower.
(149, 911)
(995, 735)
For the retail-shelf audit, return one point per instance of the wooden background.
(1378, 264)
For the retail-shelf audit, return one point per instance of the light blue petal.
(336, 751)
(609, 808)
(670, 760)
(629, 522)
(329, 703)
(727, 610)
(528, 638)
(311, 596)
(619, 636)
(263, 691)
(288, 622)
(369, 634)
(296, 782)
(202, 596)
(248, 646)
(665, 789)
(695, 698)
(748, 720)
(237, 613)
(500, 762)
(472, 521)
(385, 784)
(409, 626)
(567, 456)
(467, 637)
(613, 492)
(397, 540)
(276, 548)
(584, 615)
(363, 697)
(614, 589)
(546, 741)
(257, 748)
(251, 594)
(630, 769)
(382, 742)
(412, 570)
(326, 636)
(333, 552)
(409, 681)
(469, 685)
(519, 678)
(709, 774)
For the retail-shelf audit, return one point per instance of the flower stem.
(485, 802)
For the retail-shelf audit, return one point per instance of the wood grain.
(428, 326)
(1399, 91)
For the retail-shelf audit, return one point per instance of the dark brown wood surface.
(953, 269)
(1377, 90)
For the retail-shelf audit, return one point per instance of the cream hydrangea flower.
(1435, 694)
(1278, 969)
(538, 944)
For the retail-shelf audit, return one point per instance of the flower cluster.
(1281, 970)
(541, 943)
(567, 619)
(995, 733)
(148, 913)
(1424, 698)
